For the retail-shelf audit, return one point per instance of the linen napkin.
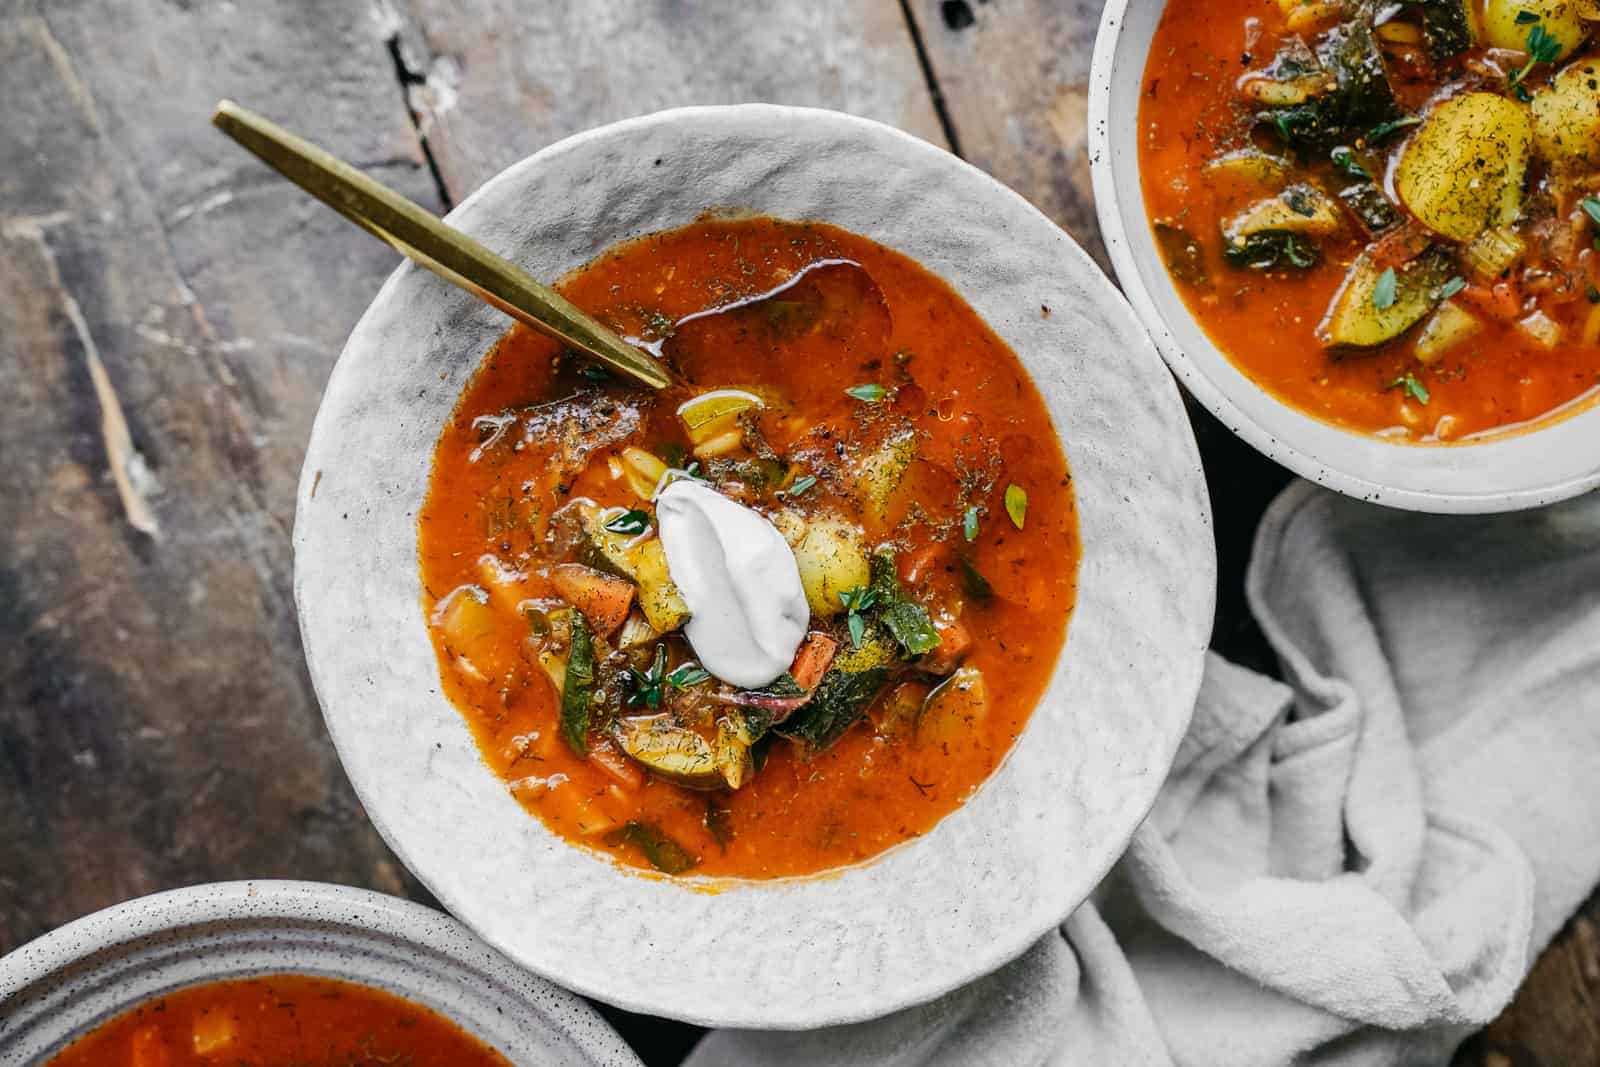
(1354, 866)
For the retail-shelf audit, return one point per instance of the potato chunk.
(1566, 117)
(832, 556)
(1462, 171)
(1562, 20)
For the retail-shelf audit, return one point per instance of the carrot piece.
(616, 766)
(923, 561)
(812, 660)
(603, 599)
(955, 641)
(1502, 300)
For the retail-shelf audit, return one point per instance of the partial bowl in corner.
(923, 918)
(1555, 457)
(63, 985)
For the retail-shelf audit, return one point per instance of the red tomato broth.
(1265, 322)
(961, 384)
(275, 1020)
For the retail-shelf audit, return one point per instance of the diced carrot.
(571, 805)
(955, 641)
(618, 767)
(1502, 300)
(811, 661)
(603, 599)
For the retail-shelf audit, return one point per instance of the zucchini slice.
(1355, 320)
(1462, 171)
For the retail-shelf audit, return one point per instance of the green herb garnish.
(1452, 287)
(1345, 162)
(1593, 294)
(629, 522)
(1591, 207)
(688, 674)
(801, 484)
(1412, 387)
(868, 394)
(1383, 294)
(1384, 129)
(969, 524)
(647, 684)
(1017, 504)
(1541, 48)
(856, 601)
(1525, 17)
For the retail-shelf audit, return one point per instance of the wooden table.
(169, 312)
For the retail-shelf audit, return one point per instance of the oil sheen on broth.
(1384, 213)
(854, 416)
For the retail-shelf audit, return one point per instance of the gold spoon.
(418, 233)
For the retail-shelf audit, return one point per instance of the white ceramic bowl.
(926, 917)
(62, 985)
(1551, 461)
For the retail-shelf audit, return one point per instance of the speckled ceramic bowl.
(923, 918)
(57, 988)
(1556, 458)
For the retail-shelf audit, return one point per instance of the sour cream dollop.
(748, 611)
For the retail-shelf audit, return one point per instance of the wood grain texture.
(1014, 78)
(498, 79)
(157, 727)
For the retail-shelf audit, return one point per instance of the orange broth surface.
(278, 1020)
(1191, 113)
(950, 383)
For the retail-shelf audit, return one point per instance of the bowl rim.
(1112, 185)
(1199, 585)
(101, 965)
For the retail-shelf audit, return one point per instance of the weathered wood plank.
(1014, 77)
(502, 79)
(156, 724)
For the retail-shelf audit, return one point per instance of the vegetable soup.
(779, 617)
(1383, 212)
(276, 1020)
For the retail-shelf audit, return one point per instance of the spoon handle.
(418, 233)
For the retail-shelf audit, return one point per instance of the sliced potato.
(832, 556)
(663, 605)
(734, 761)
(1566, 117)
(642, 471)
(673, 751)
(1302, 209)
(882, 471)
(955, 707)
(1447, 327)
(1462, 171)
(1541, 329)
(1251, 167)
(1354, 319)
(1562, 20)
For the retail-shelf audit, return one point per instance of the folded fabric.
(1353, 866)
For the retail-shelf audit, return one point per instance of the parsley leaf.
(629, 522)
(1017, 504)
(868, 394)
(688, 674)
(1412, 387)
(1384, 129)
(647, 684)
(855, 601)
(801, 484)
(1345, 161)
(1384, 293)
(969, 524)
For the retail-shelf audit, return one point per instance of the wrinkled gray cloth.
(1352, 867)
